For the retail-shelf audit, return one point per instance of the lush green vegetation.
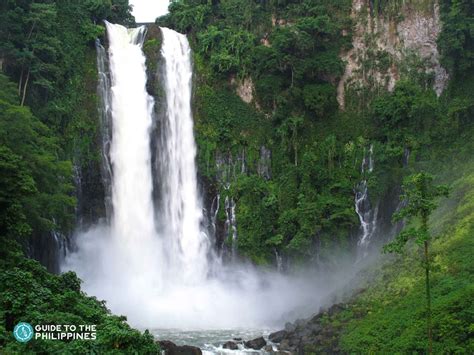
(29, 293)
(388, 314)
(391, 315)
(421, 195)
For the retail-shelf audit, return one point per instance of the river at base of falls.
(211, 341)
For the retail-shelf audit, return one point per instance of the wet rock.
(278, 336)
(290, 327)
(230, 345)
(268, 349)
(238, 339)
(294, 340)
(171, 348)
(255, 344)
(285, 344)
(315, 328)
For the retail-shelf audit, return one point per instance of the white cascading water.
(181, 210)
(107, 256)
(132, 224)
(367, 215)
(152, 260)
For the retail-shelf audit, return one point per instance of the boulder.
(255, 344)
(171, 348)
(230, 345)
(285, 345)
(278, 336)
(268, 348)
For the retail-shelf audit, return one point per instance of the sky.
(148, 10)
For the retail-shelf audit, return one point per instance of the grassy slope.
(388, 317)
(391, 313)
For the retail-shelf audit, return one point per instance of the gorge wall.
(391, 42)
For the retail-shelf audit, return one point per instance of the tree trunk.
(428, 299)
(24, 88)
(20, 82)
(296, 154)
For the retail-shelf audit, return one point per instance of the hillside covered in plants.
(291, 63)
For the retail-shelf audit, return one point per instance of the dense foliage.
(47, 49)
(420, 195)
(36, 185)
(29, 293)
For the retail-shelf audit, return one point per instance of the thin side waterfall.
(231, 224)
(367, 215)
(105, 115)
(228, 168)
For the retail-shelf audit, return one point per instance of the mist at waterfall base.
(233, 296)
(152, 260)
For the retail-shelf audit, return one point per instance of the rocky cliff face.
(391, 42)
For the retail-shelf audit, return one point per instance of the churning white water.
(151, 260)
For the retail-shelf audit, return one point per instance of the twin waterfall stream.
(152, 259)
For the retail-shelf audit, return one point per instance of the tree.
(36, 185)
(289, 130)
(420, 194)
(42, 49)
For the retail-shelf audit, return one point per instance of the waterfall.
(367, 215)
(228, 170)
(264, 163)
(213, 214)
(147, 247)
(119, 255)
(278, 261)
(231, 224)
(105, 115)
(132, 223)
(180, 206)
(151, 258)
